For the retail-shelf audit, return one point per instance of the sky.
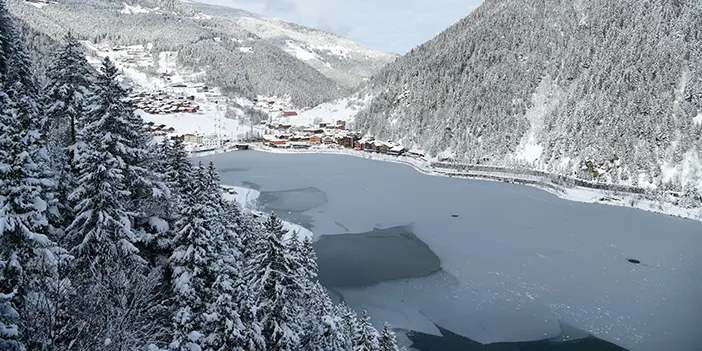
(387, 25)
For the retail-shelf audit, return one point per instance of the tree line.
(111, 241)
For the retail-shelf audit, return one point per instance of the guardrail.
(557, 179)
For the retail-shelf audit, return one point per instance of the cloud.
(285, 7)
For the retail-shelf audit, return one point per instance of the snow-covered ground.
(208, 121)
(130, 10)
(545, 99)
(344, 109)
(698, 119)
(247, 199)
(316, 40)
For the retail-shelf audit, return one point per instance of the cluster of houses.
(285, 136)
(160, 103)
(158, 129)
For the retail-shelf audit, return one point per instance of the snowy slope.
(343, 61)
(337, 58)
(344, 109)
(558, 97)
(205, 122)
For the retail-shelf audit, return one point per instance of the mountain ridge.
(588, 89)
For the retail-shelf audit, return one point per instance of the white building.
(210, 141)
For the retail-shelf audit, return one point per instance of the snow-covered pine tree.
(275, 289)
(147, 190)
(178, 166)
(305, 272)
(25, 193)
(102, 229)
(327, 330)
(366, 336)
(225, 328)
(387, 339)
(193, 264)
(69, 80)
(350, 323)
(116, 293)
(309, 259)
(9, 331)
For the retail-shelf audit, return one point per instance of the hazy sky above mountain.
(387, 25)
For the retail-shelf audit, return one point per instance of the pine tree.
(178, 166)
(193, 264)
(275, 289)
(9, 331)
(366, 336)
(310, 268)
(328, 330)
(69, 80)
(387, 339)
(25, 190)
(111, 278)
(350, 323)
(225, 326)
(102, 228)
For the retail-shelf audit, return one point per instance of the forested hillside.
(109, 241)
(308, 65)
(603, 90)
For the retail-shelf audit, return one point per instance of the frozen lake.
(514, 263)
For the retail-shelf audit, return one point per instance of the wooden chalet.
(313, 130)
(383, 148)
(397, 150)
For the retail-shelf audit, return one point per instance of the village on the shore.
(287, 136)
(176, 104)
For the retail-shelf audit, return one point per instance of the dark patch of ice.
(354, 260)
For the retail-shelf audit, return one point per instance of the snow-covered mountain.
(238, 51)
(344, 61)
(602, 90)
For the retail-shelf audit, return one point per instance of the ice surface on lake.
(515, 261)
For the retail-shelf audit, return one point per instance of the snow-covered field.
(339, 110)
(209, 120)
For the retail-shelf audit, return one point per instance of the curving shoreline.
(572, 193)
